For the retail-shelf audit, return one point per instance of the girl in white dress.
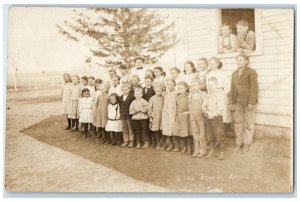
(86, 110)
(114, 123)
(66, 93)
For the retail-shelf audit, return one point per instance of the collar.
(139, 68)
(113, 104)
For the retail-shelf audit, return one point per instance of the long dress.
(155, 112)
(86, 110)
(182, 124)
(114, 123)
(169, 112)
(100, 118)
(66, 98)
(74, 96)
(224, 85)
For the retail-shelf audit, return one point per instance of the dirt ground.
(40, 156)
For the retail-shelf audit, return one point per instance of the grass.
(266, 168)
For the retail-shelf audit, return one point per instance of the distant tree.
(117, 35)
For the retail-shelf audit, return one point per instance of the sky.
(35, 45)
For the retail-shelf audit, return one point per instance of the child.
(66, 92)
(223, 83)
(169, 115)
(245, 38)
(202, 71)
(124, 77)
(213, 107)
(109, 82)
(114, 124)
(149, 72)
(74, 96)
(197, 119)
(148, 90)
(243, 97)
(116, 87)
(227, 41)
(98, 82)
(181, 126)
(159, 75)
(84, 82)
(135, 82)
(86, 110)
(189, 72)
(91, 86)
(140, 120)
(100, 118)
(156, 103)
(175, 74)
(125, 101)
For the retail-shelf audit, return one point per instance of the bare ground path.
(31, 165)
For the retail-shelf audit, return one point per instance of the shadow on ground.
(266, 168)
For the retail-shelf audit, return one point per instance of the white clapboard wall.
(273, 59)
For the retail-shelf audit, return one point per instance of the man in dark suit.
(242, 99)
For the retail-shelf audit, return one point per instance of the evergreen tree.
(118, 35)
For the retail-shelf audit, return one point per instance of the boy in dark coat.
(242, 99)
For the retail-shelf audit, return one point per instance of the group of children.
(182, 112)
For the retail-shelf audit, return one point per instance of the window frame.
(258, 36)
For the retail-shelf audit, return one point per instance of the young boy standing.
(214, 108)
(140, 119)
(125, 101)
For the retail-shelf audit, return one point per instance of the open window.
(231, 17)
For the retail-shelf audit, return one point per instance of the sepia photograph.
(149, 100)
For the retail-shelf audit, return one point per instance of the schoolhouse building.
(272, 57)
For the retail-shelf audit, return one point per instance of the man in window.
(245, 38)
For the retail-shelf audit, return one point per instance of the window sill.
(233, 55)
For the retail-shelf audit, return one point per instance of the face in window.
(225, 31)
(241, 62)
(241, 29)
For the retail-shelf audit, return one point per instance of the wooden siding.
(273, 63)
